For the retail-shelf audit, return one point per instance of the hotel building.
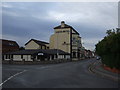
(66, 38)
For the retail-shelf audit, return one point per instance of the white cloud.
(99, 14)
(13, 14)
(89, 43)
(70, 17)
(56, 15)
(6, 5)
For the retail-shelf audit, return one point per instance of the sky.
(22, 21)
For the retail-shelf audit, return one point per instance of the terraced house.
(66, 38)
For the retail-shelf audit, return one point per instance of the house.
(36, 55)
(8, 46)
(36, 50)
(66, 38)
(36, 44)
(82, 52)
(88, 54)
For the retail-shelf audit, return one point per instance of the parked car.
(98, 58)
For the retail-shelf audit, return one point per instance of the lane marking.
(12, 77)
(11, 69)
(90, 67)
(44, 67)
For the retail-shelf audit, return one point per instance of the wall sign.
(40, 54)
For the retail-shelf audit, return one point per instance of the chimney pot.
(62, 24)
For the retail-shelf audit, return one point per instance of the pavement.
(97, 68)
(63, 75)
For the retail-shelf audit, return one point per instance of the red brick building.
(8, 46)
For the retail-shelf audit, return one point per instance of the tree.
(118, 30)
(21, 48)
(109, 32)
(109, 48)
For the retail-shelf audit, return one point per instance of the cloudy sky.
(23, 21)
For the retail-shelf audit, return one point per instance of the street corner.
(98, 69)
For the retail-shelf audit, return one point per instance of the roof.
(55, 51)
(36, 51)
(66, 26)
(37, 41)
(9, 43)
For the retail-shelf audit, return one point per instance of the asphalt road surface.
(63, 75)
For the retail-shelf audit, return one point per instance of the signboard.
(40, 54)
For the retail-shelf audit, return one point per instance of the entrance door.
(40, 57)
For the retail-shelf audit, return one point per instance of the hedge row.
(109, 49)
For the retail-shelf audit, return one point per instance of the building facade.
(66, 38)
(36, 50)
(8, 46)
(36, 55)
(36, 44)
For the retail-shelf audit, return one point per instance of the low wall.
(37, 62)
(111, 69)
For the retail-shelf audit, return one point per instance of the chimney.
(62, 24)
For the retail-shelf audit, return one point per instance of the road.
(63, 75)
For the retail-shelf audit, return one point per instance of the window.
(12, 56)
(74, 54)
(74, 40)
(63, 31)
(7, 56)
(32, 56)
(58, 31)
(45, 47)
(11, 44)
(42, 47)
(21, 56)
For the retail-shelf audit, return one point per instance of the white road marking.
(11, 69)
(12, 77)
(44, 67)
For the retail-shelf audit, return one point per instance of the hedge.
(109, 49)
